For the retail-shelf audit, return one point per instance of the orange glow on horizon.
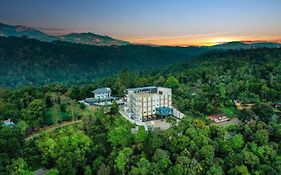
(181, 40)
(199, 40)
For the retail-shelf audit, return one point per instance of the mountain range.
(31, 57)
(81, 38)
(245, 45)
(104, 40)
(26, 61)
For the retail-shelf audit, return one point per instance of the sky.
(162, 22)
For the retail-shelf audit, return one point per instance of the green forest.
(26, 61)
(55, 132)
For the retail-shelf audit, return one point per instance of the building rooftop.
(8, 123)
(143, 88)
(218, 118)
(144, 95)
(101, 90)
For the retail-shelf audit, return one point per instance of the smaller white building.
(102, 93)
(102, 97)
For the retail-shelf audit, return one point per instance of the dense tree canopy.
(31, 62)
(101, 141)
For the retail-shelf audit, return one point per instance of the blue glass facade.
(164, 111)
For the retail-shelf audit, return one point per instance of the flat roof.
(142, 88)
(144, 95)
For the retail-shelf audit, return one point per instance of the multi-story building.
(146, 103)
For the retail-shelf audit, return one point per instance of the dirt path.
(51, 128)
(87, 111)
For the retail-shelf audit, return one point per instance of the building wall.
(149, 104)
(144, 107)
(102, 95)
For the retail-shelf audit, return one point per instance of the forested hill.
(31, 62)
(26, 61)
(103, 142)
(82, 38)
(209, 83)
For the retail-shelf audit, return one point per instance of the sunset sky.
(164, 22)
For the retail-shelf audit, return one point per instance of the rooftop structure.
(218, 118)
(145, 103)
(277, 104)
(102, 97)
(8, 123)
(241, 106)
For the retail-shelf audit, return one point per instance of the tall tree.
(74, 110)
(33, 114)
(55, 113)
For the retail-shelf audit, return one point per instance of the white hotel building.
(146, 103)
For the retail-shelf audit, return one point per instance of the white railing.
(177, 113)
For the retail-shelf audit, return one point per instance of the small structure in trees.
(277, 104)
(102, 97)
(102, 93)
(242, 105)
(8, 123)
(218, 118)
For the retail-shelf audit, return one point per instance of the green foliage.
(230, 112)
(87, 170)
(141, 135)
(239, 170)
(74, 110)
(162, 159)
(22, 126)
(236, 142)
(215, 170)
(123, 159)
(172, 82)
(210, 83)
(19, 167)
(33, 114)
(31, 62)
(120, 134)
(11, 143)
(143, 167)
(247, 115)
(53, 171)
(264, 111)
(55, 112)
(103, 142)
(67, 149)
(114, 109)
(105, 145)
(103, 170)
